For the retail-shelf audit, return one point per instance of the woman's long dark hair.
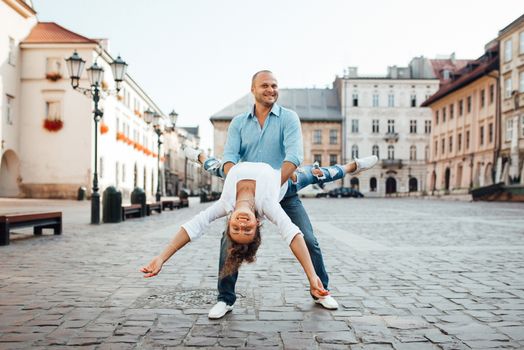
(237, 253)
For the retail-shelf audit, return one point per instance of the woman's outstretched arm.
(180, 239)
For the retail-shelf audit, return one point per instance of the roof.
(50, 32)
(512, 25)
(192, 130)
(310, 105)
(473, 71)
(452, 65)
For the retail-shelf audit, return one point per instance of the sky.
(198, 56)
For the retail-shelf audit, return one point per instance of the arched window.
(413, 153)
(391, 152)
(374, 151)
(413, 184)
(373, 184)
(354, 151)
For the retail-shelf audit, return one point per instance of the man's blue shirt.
(279, 140)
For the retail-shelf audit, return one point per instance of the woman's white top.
(268, 194)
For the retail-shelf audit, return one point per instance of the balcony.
(391, 137)
(391, 163)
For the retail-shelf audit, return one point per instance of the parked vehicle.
(313, 191)
(342, 192)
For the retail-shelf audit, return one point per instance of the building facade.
(510, 163)
(321, 121)
(465, 127)
(54, 128)
(383, 116)
(17, 18)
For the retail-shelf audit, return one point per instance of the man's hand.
(153, 268)
(317, 289)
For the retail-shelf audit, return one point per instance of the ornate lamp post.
(159, 127)
(75, 66)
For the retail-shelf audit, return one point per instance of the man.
(271, 134)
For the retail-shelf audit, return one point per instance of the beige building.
(511, 161)
(320, 117)
(464, 127)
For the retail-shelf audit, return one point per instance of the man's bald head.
(265, 71)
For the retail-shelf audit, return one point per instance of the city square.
(408, 274)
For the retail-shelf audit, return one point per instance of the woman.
(252, 191)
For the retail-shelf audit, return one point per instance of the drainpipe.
(498, 127)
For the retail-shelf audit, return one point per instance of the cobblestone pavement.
(408, 274)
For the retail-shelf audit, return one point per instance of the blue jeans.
(296, 212)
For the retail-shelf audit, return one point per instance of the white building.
(382, 117)
(16, 18)
(50, 152)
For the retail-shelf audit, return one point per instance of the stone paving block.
(515, 333)
(340, 337)
(200, 341)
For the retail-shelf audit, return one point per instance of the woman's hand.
(316, 288)
(153, 268)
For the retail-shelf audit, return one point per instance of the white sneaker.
(192, 154)
(219, 310)
(327, 302)
(364, 164)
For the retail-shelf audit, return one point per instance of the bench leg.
(4, 233)
(57, 229)
(37, 230)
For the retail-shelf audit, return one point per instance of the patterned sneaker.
(364, 164)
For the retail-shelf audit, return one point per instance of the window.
(413, 153)
(333, 159)
(451, 111)
(427, 126)
(509, 129)
(391, 100)
(444, 114)
(521, 81)
(333, 136)
(413, 100)
(391, 126)
(522, 124)
(507, 87)
(443, 146)
(12, 57)
(354, 125)
(426, 153)
(9, 105)
(436, 148)
(491, 93)
(374, 151)
(482, 98)
(117, 174)
(375, 100)
(481, 135)
(468, 105)
(391, 152)
(521, 43)
(459, 142)
(123, 173)
(467, 139)
(317, 137)
(354, 151)
(451, 144)
(317, 158)
(52, 110)
(101, 167)
(490, 132)
(355, 100)
(374, 126)
(508, 50)
(436, 117)
(461, 107)
(412, 126)
(53, 67)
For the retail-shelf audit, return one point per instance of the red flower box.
(103, 128)
(53, 76)
(53, 125)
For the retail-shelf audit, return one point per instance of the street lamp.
(75, 66)
(158, 125)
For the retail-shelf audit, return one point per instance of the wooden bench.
(168, 204)
(132, 211)
(151, 207)
(39, 221)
